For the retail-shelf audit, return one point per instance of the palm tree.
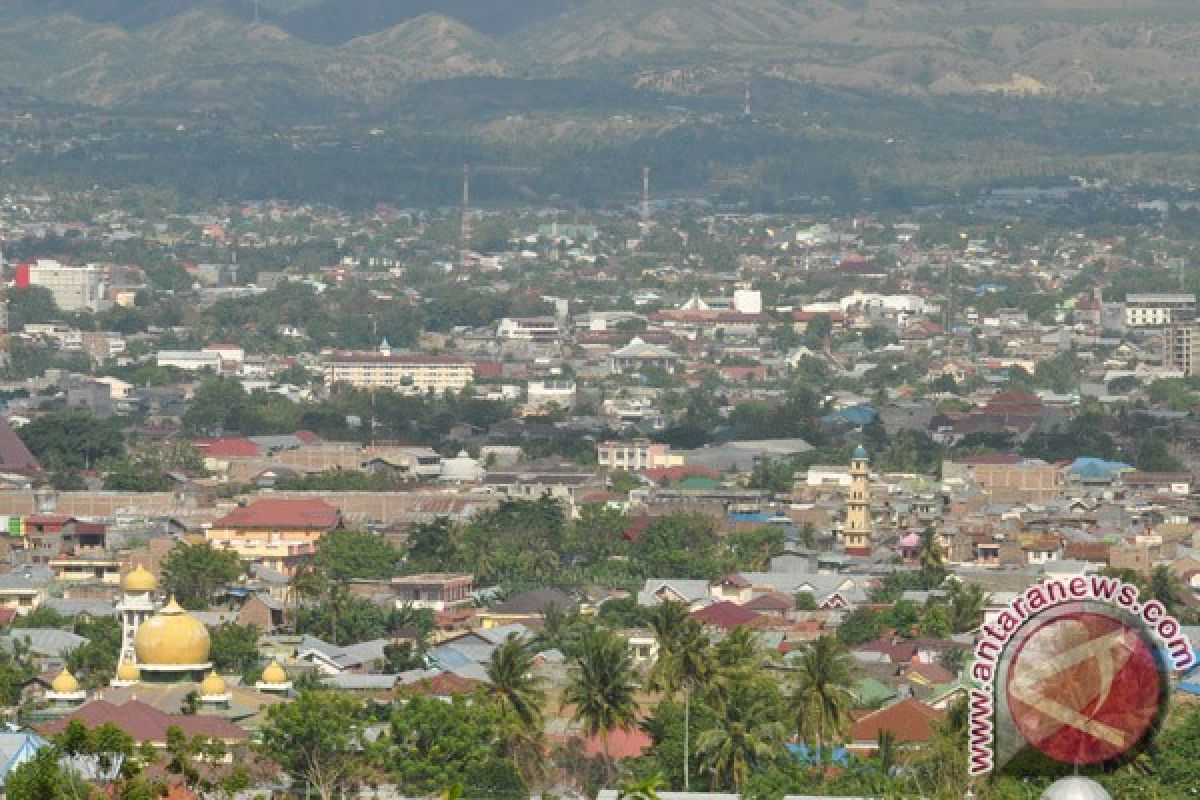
(967, 602)
(517, 692)
(602, 687)
(822, 697)
(686, 661)
(929, 557)
(643, 789)
(746, 735)
(513, 686)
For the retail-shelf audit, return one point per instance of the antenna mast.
(645, 196)
(466, 211)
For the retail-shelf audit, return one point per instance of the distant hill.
(334, 54)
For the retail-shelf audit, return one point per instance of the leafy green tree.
(935, 622)
(861, 625)
(234, 648)
(346, 555)
(805, 601)
(601, 688)
(42, 617)
(72, 440)
(753, 550)
(1166, 587)
(967, 603)
(317, 739)
(681, 545)
(344, 618)
(822, 697)
(435, 744)
(43, 778)
(30, 304)
(95, 662)
(194, 572)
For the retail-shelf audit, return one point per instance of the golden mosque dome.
(128, 672)
(65, 683)
(274, 674)
(139, 580)
(172, 637)
(213, 685)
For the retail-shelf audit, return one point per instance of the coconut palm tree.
(642, 789)
(517, 691)
(747, 734)
(929, 557)
(513, 686)
(602, 686)
(822, 697)
(686, 661)
(967, 602)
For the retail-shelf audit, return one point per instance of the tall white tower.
(136, 606)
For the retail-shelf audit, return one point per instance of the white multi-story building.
(528, 329)
(404, 373)
(636, 455)
(189, 360)
(73, 288)
(546, 393)
(1158, 310)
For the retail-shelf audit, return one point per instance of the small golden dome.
(128, 672)
(172, 637)
(139, 580)
(65, 683)
(213, 685)
(274, 674)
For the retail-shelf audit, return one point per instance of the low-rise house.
(910, 721)
(275, 532)
(438, 591)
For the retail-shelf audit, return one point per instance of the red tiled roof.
(14, 455)
(444, 684)
(308, 437)
(621, 744)
(726, 615)
(772, 601)
(908, 720)
(146, 723)
(899, 652)
(931, 673)
(48, 519)
(272, 512)
(676, 474)
(229, 447)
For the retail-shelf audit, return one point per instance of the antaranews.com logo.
(1079, 670)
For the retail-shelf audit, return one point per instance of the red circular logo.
(1084, 688)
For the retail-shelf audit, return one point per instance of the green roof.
(699, 482)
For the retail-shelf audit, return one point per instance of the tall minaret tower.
(136, 606)
(856, 532)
